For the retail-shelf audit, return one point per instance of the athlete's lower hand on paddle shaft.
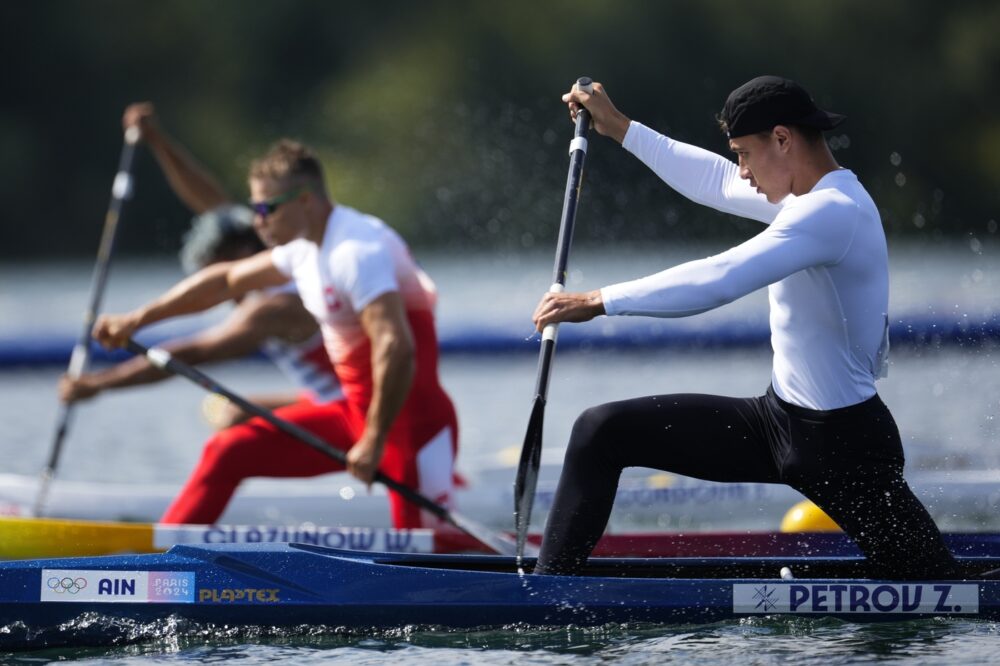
(72, 388)
(557, 307)
(606, 119)
(364, 457)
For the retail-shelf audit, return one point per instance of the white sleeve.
(802, 236)
(284, 257)
(698, 174)
(363, 271)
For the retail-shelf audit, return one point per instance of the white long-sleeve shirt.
(823, 258)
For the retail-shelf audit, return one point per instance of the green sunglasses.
(265, 208)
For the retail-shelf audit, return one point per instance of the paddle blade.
(501, 542)
(527, 473)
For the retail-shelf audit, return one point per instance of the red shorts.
(419, 452)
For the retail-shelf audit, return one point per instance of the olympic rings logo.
(66, 584)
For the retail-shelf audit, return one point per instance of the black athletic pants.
(848, 461)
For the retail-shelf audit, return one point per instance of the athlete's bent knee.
(221, 456)
(595, 433)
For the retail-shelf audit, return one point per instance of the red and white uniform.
(306, 363)
(360, 259)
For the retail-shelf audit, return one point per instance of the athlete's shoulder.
(817, 206)
(359, 234)
(835, 197)
(840, 188)
(354, 249)
(820, 218)
(350, 222)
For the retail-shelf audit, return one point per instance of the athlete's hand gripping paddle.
(531, 450)
(498, 541)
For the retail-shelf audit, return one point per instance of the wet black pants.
(848, 461)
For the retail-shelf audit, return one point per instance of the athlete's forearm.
(192, 351)
(688, 289)
(393, 369)
(133, 372)
(201, 291)
(193, 184)
(799, 239)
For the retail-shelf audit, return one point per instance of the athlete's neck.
(318, 222)
(814, 165)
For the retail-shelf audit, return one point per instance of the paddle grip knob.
(584, 84)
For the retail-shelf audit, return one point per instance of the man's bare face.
(763, 162)
(286, 222)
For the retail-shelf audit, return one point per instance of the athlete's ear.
(307, 198)
(783, 135)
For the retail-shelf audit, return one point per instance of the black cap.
(215, 233)
(761, 103)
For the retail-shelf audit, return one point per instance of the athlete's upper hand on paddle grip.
(606, 119)
(557, 307)
(141, 115)
(114, 330)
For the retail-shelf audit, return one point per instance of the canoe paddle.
(531, 450)
(121, 190)
(498, 541)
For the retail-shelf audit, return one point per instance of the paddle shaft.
(121, 190)
(574, 180)
(162, 359)
(531, 451)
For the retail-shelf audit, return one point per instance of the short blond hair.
(291, 163)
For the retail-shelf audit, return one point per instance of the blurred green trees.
(444, 117)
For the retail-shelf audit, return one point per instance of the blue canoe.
(280, 585)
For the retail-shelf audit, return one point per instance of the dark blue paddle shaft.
(499, 542)
(121, 191)
(287, 427)
(574, 181)
(531, 450)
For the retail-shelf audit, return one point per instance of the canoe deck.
(28, 538)
(680, 568)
